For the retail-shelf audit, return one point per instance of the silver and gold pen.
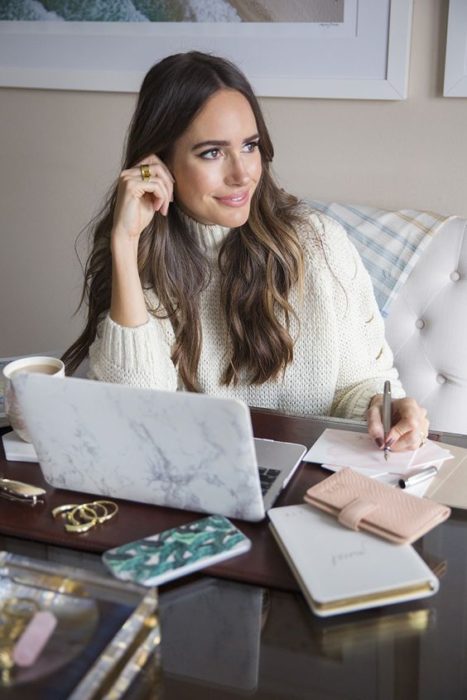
(386, 415)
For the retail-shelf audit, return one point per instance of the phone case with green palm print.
(177, 552)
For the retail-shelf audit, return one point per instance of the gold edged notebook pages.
(341, 570)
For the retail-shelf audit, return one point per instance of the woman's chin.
(228, 217)
(232, 219)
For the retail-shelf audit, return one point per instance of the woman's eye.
(211, 154)
(251, 146)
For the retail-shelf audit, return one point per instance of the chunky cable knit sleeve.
(139, 356)
(365, 359)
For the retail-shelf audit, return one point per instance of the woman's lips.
(235, 200)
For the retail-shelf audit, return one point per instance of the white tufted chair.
(417, 261)
(427, 329)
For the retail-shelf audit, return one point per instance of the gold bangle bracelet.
(80, 513)
(104, 505)
(81, 527)
(62, 510)
(82, 517)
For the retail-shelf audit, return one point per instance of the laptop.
(176, 449)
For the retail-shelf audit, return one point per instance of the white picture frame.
(365, 57)
(455, 69)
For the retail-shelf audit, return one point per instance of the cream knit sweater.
(341, 358)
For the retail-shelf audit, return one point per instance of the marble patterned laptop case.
(177, 449)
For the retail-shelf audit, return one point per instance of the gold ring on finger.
(145, 172)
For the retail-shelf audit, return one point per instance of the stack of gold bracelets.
(83, 517)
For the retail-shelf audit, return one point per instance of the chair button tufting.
(441, 379)
(455, 276)
(420, 323)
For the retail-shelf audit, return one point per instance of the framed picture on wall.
(309, 48)
(455, 70)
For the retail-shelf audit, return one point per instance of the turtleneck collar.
(210, 236)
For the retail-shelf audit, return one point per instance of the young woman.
(206, 276)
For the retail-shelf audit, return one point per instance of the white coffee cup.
(36, 365)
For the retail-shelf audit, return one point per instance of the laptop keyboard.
(267, 477)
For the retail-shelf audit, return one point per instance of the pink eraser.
(34, 638)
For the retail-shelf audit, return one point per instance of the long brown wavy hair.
(260, 261)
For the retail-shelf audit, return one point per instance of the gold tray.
(107, 632)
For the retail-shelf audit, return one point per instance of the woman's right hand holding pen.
(409, 424)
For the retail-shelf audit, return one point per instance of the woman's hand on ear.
(138, 198)
(409, 424)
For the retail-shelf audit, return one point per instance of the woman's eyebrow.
(216, 142)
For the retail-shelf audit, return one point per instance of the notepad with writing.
(341, 570)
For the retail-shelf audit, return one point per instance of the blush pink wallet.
(361, 503)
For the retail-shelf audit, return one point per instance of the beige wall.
(61, 150)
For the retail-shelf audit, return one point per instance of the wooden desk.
(263, 565)
(225, 639)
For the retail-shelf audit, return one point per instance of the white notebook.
(341, 570)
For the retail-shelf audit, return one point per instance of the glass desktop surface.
(222, 639)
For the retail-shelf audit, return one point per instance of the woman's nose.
(237, 172)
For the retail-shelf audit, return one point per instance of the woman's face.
(216, 163)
